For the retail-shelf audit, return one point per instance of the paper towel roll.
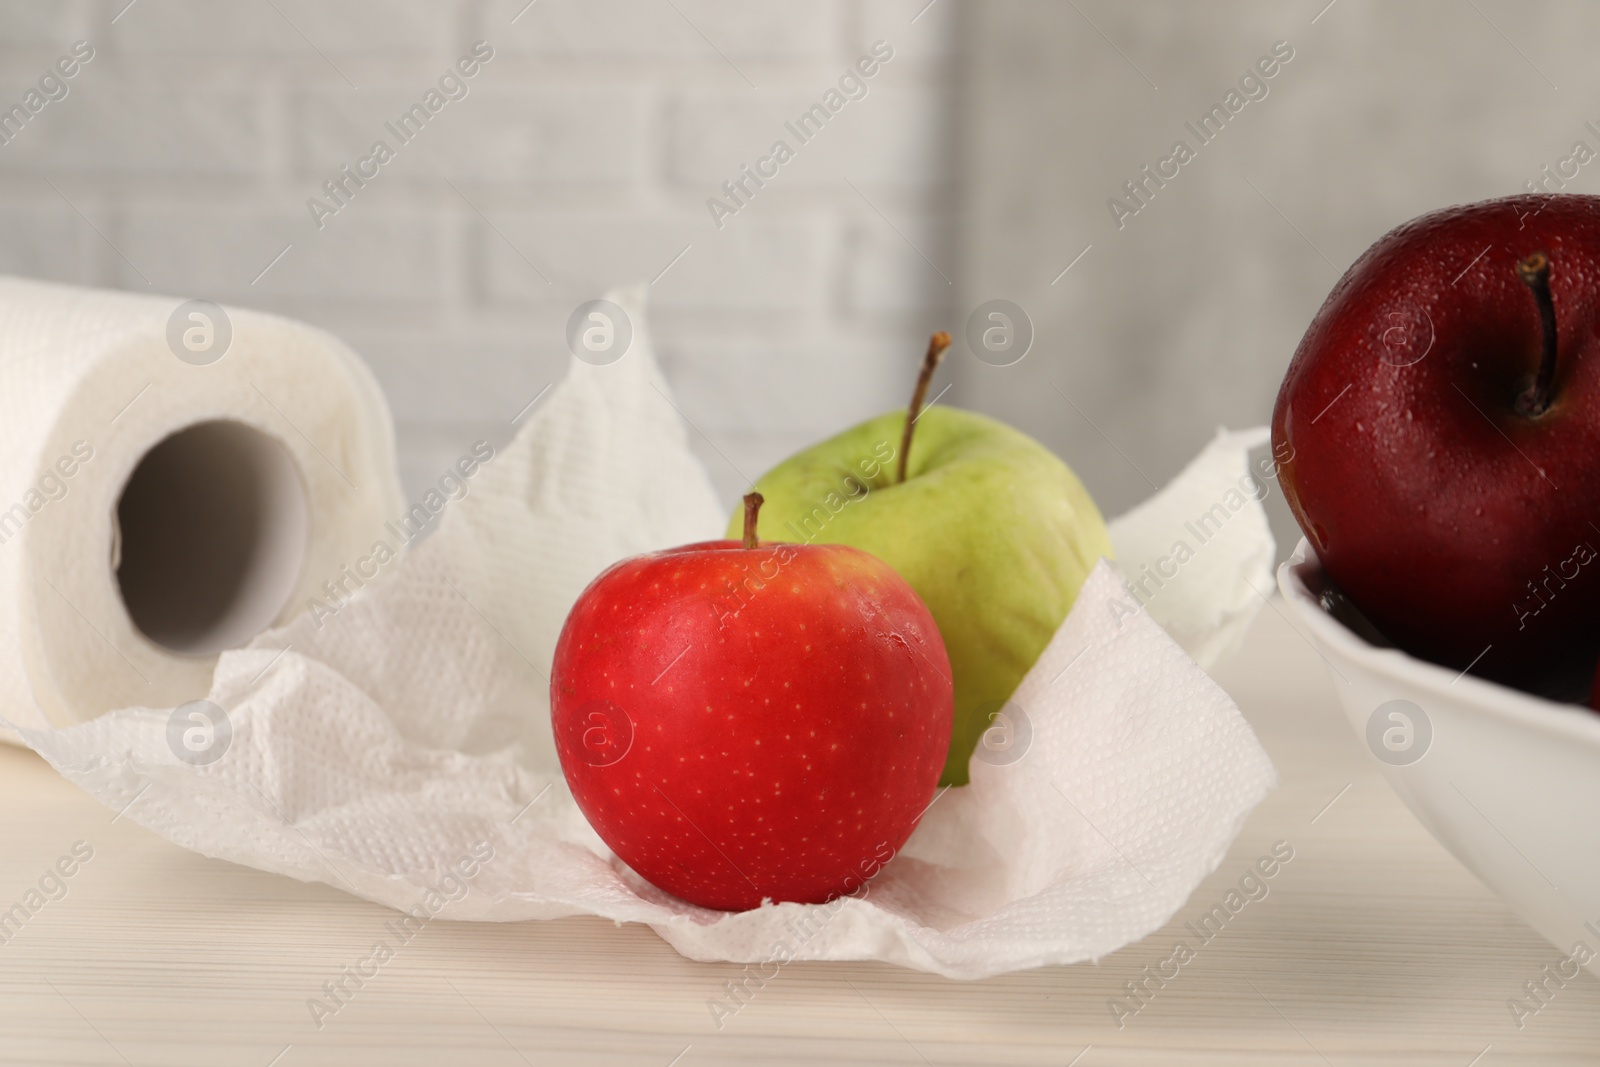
(173, 480)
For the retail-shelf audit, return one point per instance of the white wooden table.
(1374, 946)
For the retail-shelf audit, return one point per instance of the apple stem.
(1535, 274)
(752, 507)
(930, 362)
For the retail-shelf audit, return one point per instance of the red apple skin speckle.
(741, 724)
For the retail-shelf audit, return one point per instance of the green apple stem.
(752, 507)
(1535, 274)
(930, 362)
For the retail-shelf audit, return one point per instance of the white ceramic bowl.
(1508, 782)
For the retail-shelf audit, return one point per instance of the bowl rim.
(1572, 722)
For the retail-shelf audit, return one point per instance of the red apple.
(742, 721)
(1438, 435)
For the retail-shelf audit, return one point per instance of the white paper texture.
(375, 747)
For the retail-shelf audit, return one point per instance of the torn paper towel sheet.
(382, 745)
(1198, 554)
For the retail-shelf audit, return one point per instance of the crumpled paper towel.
(398, 746)
(1210, 512)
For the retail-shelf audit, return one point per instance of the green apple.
(993, 531)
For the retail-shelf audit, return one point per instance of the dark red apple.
(742, 721)
(1438, 435)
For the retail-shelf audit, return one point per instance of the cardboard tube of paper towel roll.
(175, 478)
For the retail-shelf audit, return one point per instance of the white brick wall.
(589, 143)
(585, 150)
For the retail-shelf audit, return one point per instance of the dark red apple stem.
(752, 507)
(930, 362)
(1535, 274)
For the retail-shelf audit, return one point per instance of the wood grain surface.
(1372, 946)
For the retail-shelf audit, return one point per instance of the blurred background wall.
(979, 165)
(1184, 316)
(581, 158)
